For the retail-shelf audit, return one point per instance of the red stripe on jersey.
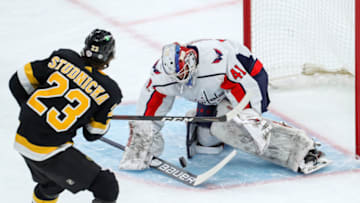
(154, 103)
(257, 68)
(235, 88)
(149, 83)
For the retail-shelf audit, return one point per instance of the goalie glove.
(144, 143)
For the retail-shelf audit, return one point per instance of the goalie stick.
(228, 116)
(177, 173)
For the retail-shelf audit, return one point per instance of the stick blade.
(205, 176)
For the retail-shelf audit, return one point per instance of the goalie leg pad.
(157, 146)
(138, 153)
(249, 130)
(287, 147)
(234, 135)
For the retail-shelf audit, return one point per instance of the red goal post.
(296, 37)
(357, 75)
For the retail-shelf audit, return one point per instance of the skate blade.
(321, 164)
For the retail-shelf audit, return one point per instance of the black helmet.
(99, 48)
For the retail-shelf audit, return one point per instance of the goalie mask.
(179, 62)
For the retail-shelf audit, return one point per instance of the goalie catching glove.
(144, 143)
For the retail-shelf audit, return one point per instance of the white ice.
(31, 30)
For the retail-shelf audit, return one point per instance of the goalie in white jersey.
(216, 74)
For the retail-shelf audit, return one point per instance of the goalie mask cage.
(291, 37)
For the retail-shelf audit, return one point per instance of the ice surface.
(31, 30)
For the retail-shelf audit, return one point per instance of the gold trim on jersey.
(27, 78)
(30, 75)
(36, 152)
(89, 68)
(95, 127)
(37, 200)
(102, 72)
(35, 148)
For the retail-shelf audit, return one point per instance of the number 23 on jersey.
(60, 89)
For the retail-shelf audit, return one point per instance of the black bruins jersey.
(57, 96)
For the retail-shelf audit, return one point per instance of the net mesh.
(288, 34)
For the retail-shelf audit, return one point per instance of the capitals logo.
(219, 56)
(156, 71)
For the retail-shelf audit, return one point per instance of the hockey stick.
(177, 173)
(228, 116)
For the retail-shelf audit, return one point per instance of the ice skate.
(314, 161)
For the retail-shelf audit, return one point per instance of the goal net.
(305, 43)
(302, 37)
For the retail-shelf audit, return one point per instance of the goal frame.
(247, 42)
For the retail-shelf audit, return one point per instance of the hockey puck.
(182, 161)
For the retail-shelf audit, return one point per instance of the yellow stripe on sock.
(37, 200)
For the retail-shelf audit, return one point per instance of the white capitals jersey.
(225, 70)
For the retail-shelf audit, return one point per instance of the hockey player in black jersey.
(57, 96)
